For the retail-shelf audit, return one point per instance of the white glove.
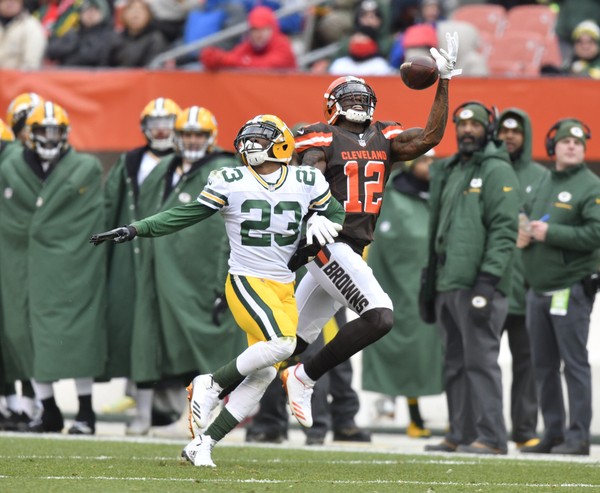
(322, 229)
(446, 60)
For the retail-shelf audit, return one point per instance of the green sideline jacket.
(571, 201)
(474, 219)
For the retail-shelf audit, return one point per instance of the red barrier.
(104, 105)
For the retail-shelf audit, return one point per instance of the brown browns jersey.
(358, 166)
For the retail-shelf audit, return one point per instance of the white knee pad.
(246, 395)
(264, 354)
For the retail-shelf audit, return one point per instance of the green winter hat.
(473, 112)
(570, 129)
(512, 122)
(101, 5)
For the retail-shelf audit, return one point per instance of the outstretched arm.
(415, 142)
(163, 223)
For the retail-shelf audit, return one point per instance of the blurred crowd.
(359, 37)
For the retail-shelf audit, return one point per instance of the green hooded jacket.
(480, 213)
(53, 283)
(530, 174)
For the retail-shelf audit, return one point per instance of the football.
(419, 72)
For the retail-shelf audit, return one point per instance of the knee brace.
(264, 354)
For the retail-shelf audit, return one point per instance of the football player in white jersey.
(263, 204)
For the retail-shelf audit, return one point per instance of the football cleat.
(199, 450)
(299, 396)
(203, 397)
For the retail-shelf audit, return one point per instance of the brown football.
(419, 72)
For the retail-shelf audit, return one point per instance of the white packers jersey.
(262, 219)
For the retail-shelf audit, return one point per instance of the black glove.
(303, 255)
(481, 300)
(426, 301)
(219, 307)
(118, 235)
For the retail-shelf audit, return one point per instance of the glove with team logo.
(118, 235)
(322, 229)
(446, 60)
(481, 300)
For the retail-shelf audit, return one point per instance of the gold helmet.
(195, 119)
(19, 108)
(47, 128)
(269, 127)
(157, 121)
(343, 94)
(6, 134)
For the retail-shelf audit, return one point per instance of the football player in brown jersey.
(355, 154)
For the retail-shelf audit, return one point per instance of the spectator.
(570, 15)
(586, 50)
(264, 48)
(416, 41)
(59, 330)
(473, 231)
(91, 43)
(140, 41)
(364, 56)
(170, 16)
(561, 267)
(58, 17)
(514, 129)
(22, 37)
(409, 362)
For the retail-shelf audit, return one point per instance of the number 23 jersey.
(263, 215)
(358, 166)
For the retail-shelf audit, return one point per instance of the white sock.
(143, 404)
(301, 374)
(84, 386)
(27, 406)
(43, 390)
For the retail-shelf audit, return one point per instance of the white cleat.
(199, 450)
(203, 397)
(299, 396)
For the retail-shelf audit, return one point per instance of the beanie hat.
(570, 128)
(586, 27)
(261, 17)
(512, 122)
(473, 112)
(101, 5)
(420, 35)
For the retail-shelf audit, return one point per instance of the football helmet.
(195, 119)
(47, 128)
(281, 141)
(158, 121)
(6, 134)
(343, 95)
(19, 108)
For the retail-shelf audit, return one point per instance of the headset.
(492, 114)
(550, 143)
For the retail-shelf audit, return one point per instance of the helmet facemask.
(48, 140)
(347, 96)
(192, 151)
(255, 154)
(158, 131)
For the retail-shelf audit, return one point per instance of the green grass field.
(57, 464)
